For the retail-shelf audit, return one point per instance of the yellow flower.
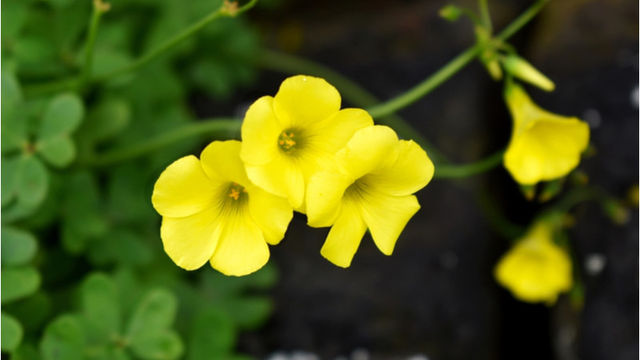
(211, 211)
(543, 146)
(535, 269)
(369, 186)
(287, 138)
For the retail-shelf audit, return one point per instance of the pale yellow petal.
(367, 150)
(386, 216)
(304, 99)
(282, 176)
(221, 160)
(260, 131)
(242, 248)
(411, 171)
(183, 189)
(272, 213)
(332, 133)
(550, 148)
(344, 237)
(190, 241)
(324, 196)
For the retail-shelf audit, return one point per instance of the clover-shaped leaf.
(63, 339)
(61, 117)
(14, 126)
(100, 307)
(25, 185)
(18, 246)
(11, 332)
(18, 282)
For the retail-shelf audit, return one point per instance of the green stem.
(98, 9)
(450, 171)
(218, 126)
(175, 40)
(484, 14)
(452, 67)
(74, 82)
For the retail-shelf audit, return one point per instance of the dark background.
(436, 295)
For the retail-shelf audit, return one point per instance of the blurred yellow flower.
(543, 146)
(287, 138)
(535, 269)
(370, 185)
(211, 211)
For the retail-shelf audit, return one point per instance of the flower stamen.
(287, 141)
(235, 191)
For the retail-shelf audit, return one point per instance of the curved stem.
(98, 9)
(452, 67)
(217, 126)
(484, 15)
(450, 171)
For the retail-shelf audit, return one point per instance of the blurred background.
(434, 298)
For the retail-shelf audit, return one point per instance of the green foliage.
(84, 275)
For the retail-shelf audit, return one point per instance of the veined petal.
(282, 177)
(260, 131)
(242, 248)
(190, 241)
(303, 99)
(550, 148)
(368, 149)
(221, 160)
(345, 236)
(272, 213)
(183, 189)
(386, 216)
(324, 196)
(411, 171)
(332, 133)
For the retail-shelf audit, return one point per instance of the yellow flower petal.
(550, 148)
(324, 196)
(221, 160)
(302, 99)
(271, 213)
(260, 131)
(386, 216)
(241, 249)
(190, 241)
(411, 171)
(344, 237)
(367, 150)
(183, 189)
(281, 177)
(332, 133)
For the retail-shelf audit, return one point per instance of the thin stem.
(352, 92)
(484, 15)
(450, 171)
(72, 83)
(452, 67)
(227, 127)
(98, 9)
(175, 40)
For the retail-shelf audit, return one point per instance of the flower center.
(236, 192)
(289, 140)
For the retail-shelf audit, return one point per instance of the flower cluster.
(299, 151)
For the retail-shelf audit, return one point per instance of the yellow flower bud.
(523, 70)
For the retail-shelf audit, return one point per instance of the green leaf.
(154, 314)
(32, 182)
(26, 351)
(106, 120)
(11, 332)
(33, 311)
(212, 332)
(165, 345)
(14, 125)
(18, 246)
(10, 166)
(18, 282)
(120, 246)
(57, 151)
(62, 115)
(100, 307)
(63, 339)
(249, 312)
(13, 17)
(83, 220)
